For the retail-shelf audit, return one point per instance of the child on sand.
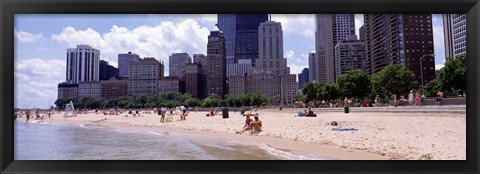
(247, 125)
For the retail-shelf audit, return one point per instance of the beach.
(376, 135)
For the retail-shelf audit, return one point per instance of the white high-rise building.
(270, 41)
(83, 64)
(455, 34)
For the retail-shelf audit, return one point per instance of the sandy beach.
(395, 136)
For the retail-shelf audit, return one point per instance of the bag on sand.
(334, 123)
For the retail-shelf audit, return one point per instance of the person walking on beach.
(162, 112)
(410, 98)
(27, 114)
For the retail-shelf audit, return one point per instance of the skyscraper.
(303, 77)
(330, 29)
(350, 55)
(227, 24)
(216, 64)
(177, 63)
(312, 67)
(83, 64)
(455, 34)
(241, 37)
(271, 76)
(124, 62)
(194, 80)
(401, 39)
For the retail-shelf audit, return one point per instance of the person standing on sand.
(418, 98)
(27, 115)
(410, 98)
(163, 111)
(395, 100)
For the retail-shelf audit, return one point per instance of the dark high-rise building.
(349, 55)
(404, 39)
(216, 64)
(107, 71)
(303, 77)
(194, 80)
(241, 38)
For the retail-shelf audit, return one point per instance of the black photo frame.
(8, 9)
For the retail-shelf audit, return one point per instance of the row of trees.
(391, 80)
(170, 100)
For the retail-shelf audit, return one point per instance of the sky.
(41, 42)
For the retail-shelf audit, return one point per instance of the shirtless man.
(257, 125)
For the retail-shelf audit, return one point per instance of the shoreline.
(282, 131)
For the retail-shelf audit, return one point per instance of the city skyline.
(40, 51)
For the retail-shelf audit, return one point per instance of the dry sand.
(400, 136)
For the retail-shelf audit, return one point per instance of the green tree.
(327, 91)
(392, 79)
(192, 102)
(310, 90)
(432, 87)
(454, 74)
(354, 84)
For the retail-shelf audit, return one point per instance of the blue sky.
(41, 42)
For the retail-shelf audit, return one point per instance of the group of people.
(306, 114)
(28, 116)
(253, 125)
(162, 111)
(413, 99)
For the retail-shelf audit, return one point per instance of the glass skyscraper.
(241, 37)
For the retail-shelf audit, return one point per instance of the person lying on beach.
(212, 113)
(301, 114)
(256, 125)
(247, 125)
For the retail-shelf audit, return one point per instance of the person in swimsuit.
(247, 125)
(27, 115)
(256, 125)
(418, 98)
(410, 98)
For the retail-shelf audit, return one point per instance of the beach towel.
(344, 129)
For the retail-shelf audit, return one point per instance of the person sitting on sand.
(301, 114)
(256, 125)
(247, 125)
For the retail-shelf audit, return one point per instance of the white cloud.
(358, 24)
(439, 66)
(26, 37)
(289, 54)
(36, 81)
(302, 24)
(147, 41)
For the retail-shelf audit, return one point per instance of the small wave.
(285, 154)
(155, 133)
(82, 125)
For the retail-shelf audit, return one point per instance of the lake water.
(54, 141)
